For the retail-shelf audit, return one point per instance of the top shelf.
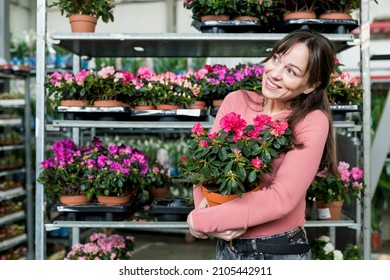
(179, 44)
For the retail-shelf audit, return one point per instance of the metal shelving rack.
(27, 169)
(147, 45)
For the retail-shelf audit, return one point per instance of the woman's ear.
(310, 89)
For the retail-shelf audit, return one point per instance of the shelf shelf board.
(9, 243)
(179, 44)
(124, 124)
(12, 217)
(17, 192)
(328, 223)
(121, 224)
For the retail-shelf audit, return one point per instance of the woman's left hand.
(228, 235)
(225, 235)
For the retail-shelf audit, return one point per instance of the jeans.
(225, 252)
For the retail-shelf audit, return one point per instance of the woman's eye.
(291, 72)
(275, 58)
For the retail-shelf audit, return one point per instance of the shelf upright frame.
(40, 130)
(366, 81)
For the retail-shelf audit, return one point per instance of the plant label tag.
(324, 213)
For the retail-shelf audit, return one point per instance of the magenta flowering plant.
(93, 169)
(235, 159)
(348, 182)
(115, 170)
(246, 77)
(103, 247)
(61, 173)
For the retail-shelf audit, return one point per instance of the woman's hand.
(228, 235)
(194, 232)
(225, 235)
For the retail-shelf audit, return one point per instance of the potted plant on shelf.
(112, 88)
(67, 89)
(232, 162)
(329, 192)
(114, 172)
(157, 181)
(338, 9)
(210, 9)
(171, 91)
(62, 173)
(88, 11)
(253, 10)
(103, 247)
(345, 93)
(299, 9)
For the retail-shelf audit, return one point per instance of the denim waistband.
(277, 244)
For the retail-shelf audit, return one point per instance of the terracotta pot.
(329, 211)
(72, 200)
(198, 105)
(74, 103)
(107, 103)
(299, 15)
(144, 107)
(82, 23)
(214, 17)
(246, 18)
(167, 107)
(158, 192)
(217, 103)
(334, 15)
(113, 200)
(376, 240)
(214, 199)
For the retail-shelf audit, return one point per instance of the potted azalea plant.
(101, 246)
(210, 9)
(157, 181)
(330, 191)
(170, 89)
(113, 171)
(232, 162)
(344, 89)
(112, 88)
(85, 10)
(67, 89)
(61, 174)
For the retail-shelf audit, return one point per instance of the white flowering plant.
(323, 249)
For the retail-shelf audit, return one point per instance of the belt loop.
(231, 246)
(254, 244)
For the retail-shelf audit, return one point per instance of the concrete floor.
(181, 246)
(172, 246)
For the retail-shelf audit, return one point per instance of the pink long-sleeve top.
(280, 205)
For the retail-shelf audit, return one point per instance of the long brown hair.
(320, 67)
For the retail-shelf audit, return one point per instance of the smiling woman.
(270, 221)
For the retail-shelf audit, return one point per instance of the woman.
(268, 224)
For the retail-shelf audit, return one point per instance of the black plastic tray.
(126, 114)
(95, 212)
(335, 26)
(346, 108)
(228, 26)
(175, 209)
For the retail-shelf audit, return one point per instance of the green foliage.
(98, 8)
(201, 8)
(335, 188)
(231, 163)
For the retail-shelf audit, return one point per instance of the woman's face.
(285, 76)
